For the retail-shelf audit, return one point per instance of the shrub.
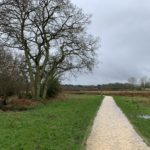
(53, 87)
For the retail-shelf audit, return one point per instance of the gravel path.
(112, 130)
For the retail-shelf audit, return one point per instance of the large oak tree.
(51, 35)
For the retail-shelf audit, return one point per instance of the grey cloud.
(124, 30)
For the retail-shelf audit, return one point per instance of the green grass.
(133, 107)
(59, 125)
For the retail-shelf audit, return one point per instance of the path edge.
(134, 127)
(89, 128)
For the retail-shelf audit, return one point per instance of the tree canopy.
(52, 36)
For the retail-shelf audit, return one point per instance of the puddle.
(144, 116)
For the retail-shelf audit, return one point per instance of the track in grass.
(112, 130)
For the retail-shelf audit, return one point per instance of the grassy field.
(133, 107)
(59, 125)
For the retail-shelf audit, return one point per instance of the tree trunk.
(31, 75)
(45, 87)
(38, 90)
(44, 94)
(37, 83)
(5, 100)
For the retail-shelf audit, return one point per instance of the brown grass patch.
(112, 93)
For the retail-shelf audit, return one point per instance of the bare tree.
(132, 81)
(11, 80)
(144, 81)
(52, 36)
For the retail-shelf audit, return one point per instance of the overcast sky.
(124, 29)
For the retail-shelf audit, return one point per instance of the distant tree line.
(103, 87)
(132, 84)
(118, 87)
(70, 87)
(143, 82)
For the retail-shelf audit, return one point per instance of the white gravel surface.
(112, 131)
